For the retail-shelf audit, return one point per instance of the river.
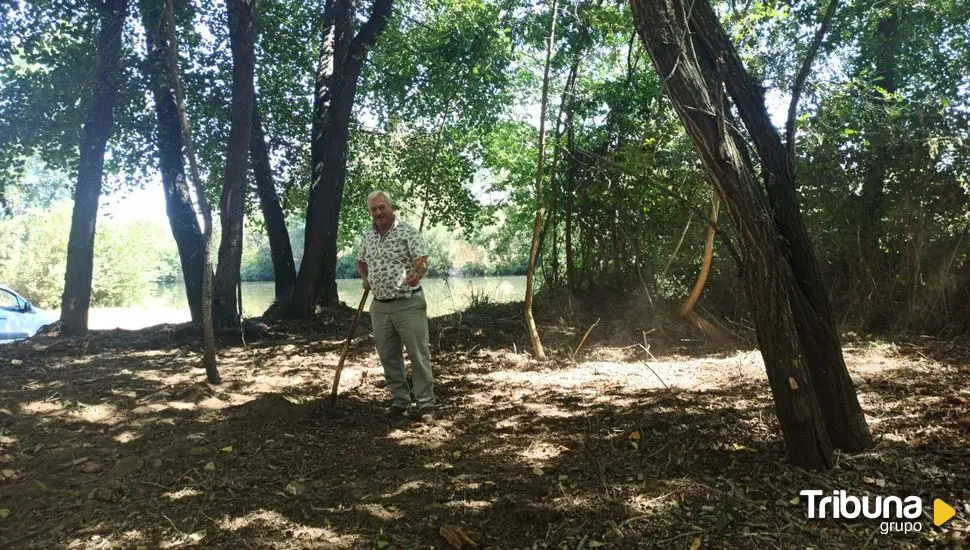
(444, 296)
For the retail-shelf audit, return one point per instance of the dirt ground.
(631, 438)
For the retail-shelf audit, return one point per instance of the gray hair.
(383, 195)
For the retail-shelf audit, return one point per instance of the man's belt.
(412, 293)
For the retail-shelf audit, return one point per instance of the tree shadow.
(132, 447)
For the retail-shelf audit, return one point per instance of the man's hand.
(413, 277)
(414, 274)
(365, 283)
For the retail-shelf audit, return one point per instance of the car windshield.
(10, 301)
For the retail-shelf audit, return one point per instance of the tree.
(534, 250)
(342, 55)
(94, 139)
(284, 270)
(159, 66)
(226, 310)
(814, 396)
(208, 330)
(881, 163)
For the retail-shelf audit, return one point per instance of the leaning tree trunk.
(530, 322)
(225, 309)
(94, 140)
(815, 323)
(178, 197)
(687, 310)
(342, 56)
(689, 79)
(284, 269)
(208, 330)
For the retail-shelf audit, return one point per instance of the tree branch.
(369, 31)
(802, 76)
(679, 198)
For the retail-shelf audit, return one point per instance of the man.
(392, 260)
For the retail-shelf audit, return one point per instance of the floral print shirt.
(389, 257)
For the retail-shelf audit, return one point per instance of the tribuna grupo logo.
(898, 515)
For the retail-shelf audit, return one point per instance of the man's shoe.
(395, 414)
(426, 415)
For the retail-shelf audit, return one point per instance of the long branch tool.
(343, 353)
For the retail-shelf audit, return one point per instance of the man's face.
(380, 212)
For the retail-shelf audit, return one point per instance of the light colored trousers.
(404, 322)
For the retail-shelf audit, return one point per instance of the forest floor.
(115, 440)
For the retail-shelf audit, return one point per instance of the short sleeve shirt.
(389, 257)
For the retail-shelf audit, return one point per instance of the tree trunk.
(94, 140)
(225, 309)
(530, 322)
(572, 167)
(688, 307)
(555, 181)
(688, 72)
(883, 50)
(687, 310)
(341, 57)
(814, 320)
(208, 330)
(284, 269)
(178, 196)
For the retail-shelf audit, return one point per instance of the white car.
(19, 318)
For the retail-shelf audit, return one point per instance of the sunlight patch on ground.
(41, 407)
(643, 506)
(425, 437)
(273, 519)
(510, 423)
(149, 408)
(182, 493)
(542, 451)
(259, 516)
(477, 505)
(415, 486)
(276, 382)
(102, 413)
(547, 410)
(695, 374)
(214, 403)
(319, 533)
(126, 437)
(160, 376)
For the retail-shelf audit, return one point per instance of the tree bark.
(94, 140)
(284, 268)
(225, 309)
(208, 330)
(341, 57)
(178, 197)
(530, 322)
(695, 90)
(810, 304)
(570, 190)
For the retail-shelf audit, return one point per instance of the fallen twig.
(573, 359)
(646, 348)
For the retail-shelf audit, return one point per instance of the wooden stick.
(346, 349)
